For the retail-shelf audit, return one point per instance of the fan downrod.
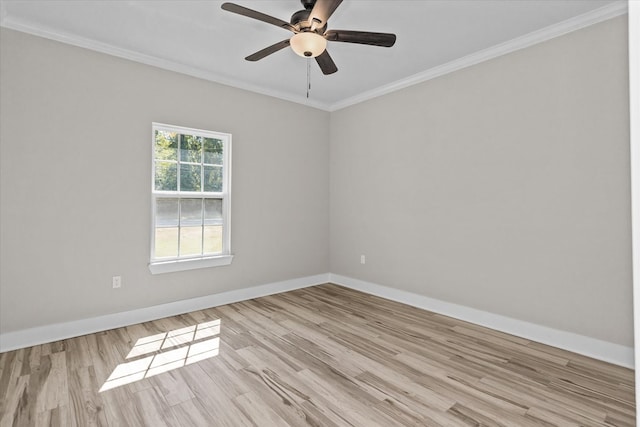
(308, 4)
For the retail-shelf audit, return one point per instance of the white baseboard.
(598, 349)
(50, 333)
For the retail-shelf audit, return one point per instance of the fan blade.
(268, 50)
(322, 11)
(326, 63)
(361, 37)
(250, 13)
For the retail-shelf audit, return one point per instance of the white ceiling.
(200, 39)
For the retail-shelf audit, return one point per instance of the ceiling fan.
(310, 32)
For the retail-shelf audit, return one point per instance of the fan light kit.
(310, 32)
(308, 44)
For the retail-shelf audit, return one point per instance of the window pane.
(190, 176)
(166, 242)
(190, 241)
(167, 212)
(213, 151)
(213, 211)
(213, 178)
(191, 149)
(212, 239)
(190, 164)
(166, 145)
(166, 176)
(190, 212)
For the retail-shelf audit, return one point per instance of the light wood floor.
(321, 356)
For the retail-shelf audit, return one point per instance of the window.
(190, 199)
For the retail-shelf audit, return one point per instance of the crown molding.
(604, 13)
(74, 40)
(581, 21)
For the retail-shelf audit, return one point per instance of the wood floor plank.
(173, 388)
(399, 414)
(18, 406)
(85, 402)
(319, 356)
(156, 413)
(349, 411)
(257, 411)
(224, 377)
(9, 375)
(545, 398)
(192, 413)
(50, 384)
(283, 395)
(215, 399)
(57, 417)
(316, 417)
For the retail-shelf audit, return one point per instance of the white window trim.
(217, 260)
(189, 264)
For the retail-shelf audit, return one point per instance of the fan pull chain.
(308, 76)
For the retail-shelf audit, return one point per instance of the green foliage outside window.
(198, 158)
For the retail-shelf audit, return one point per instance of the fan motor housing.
(300, 20)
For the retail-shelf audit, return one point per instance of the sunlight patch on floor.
(172, 350)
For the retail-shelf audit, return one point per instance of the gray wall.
(504, 186)
(75, 183)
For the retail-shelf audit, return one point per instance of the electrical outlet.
(116, 281)
(363, 259)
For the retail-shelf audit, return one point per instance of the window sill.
(189, 264)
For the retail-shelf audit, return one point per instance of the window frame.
(164, 265)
